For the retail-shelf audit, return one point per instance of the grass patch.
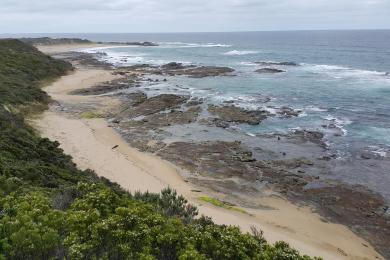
(221, 204)
(91, 115)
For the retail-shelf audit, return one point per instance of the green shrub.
(22, 68)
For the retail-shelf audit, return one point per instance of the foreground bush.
(102, 224)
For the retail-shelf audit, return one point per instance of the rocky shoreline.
(56, 41)
(175, 69)
(231, 167)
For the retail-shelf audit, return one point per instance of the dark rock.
(146, 44)
(288, 112)
(136, 98)
(237, 114)
(214, 122)
(158, 120)
(172, 66)
(154, 104)
(206, 71)
(105, 88)
(194, 102)
(294, 163)
(207, 158)
(315, 137)
(269, 70)
(246, 156)
(367, 155)
(271, 63)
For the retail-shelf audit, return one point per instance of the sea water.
(341, 86)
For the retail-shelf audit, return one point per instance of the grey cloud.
(190, 15)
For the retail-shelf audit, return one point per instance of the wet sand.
(90, 143)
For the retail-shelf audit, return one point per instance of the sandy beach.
(91, 143)
(58, 48)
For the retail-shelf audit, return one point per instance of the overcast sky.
(29, 16)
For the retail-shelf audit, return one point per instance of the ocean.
(340, 85)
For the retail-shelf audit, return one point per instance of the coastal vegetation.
(90, 115)
(51, 41)
(49, 209)
(22, 69)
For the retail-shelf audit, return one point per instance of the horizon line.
(167, 32)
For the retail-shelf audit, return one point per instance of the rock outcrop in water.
(202, 71)
(144, 44)
(174, 68)
(288, 112)
(153, 105)
(269, 70)
(237, 114)
(272, 63)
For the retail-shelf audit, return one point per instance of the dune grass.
(91, 115)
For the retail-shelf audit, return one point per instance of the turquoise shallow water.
(342, 78)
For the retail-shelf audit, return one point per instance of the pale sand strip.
(90, 143)
(59, 48)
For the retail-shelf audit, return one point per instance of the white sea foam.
(271, 110)
(207, 45)
(339, 123)
(117, 58)
(192, 45)
(250, 134)
(380, 151)
(246, 101)
(303, 114)
(314, 109)
(340, 72)
(124, 58)
(236, 52)
(99, 49)
(248, 63)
